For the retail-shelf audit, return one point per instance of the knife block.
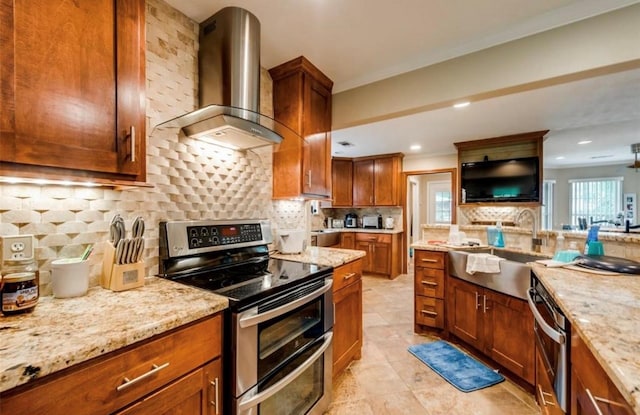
(120, 277)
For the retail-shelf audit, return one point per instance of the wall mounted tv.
(514, 180)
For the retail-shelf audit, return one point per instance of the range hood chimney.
(229, 85)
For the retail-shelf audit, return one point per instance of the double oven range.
(279, 325)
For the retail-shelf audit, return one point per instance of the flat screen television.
(514, 180)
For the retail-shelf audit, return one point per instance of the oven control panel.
(216, 235)
(183, 238)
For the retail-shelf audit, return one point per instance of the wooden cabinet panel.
(382, 252)
(592, 391)
(429, 311)
(429, 259)
(347, 329)
(386, 178)
(509, 337)
(69, 107)
(463, 304)
(347, 240)
(302, 101)
(93, 386)
(544, 391)
(429, 282)
(342, 182)
(363, 183)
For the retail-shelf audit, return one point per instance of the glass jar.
(19, 287)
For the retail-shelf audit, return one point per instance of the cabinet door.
(316, 162)
(213, 388)
(463, 311)
(347, 240)
(381, 258)
(342, 183)
(508, 333)
(544, 391)
(363, 183)
(366, 261)
(386, 179)
(347, 330)
(71, 104)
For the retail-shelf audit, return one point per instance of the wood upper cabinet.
(498, 325)
(72, 76)
(302, 101)
(341, 182)
(347, 330)
(376, 180)
(592, 391)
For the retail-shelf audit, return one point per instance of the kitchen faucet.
(536, 243)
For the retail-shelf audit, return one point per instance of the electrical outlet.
(16, 247)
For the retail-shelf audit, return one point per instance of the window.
(443, 207)
(439, 202)
(595, 199)
(547, 204)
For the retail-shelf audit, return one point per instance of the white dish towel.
(486, 263)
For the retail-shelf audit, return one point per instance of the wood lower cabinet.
(348, 240)
(382, 252)
(429, 290)
(347, 329)
(174, 373)
(544, 390)
(376, 180)
(302, 101)
(498, 325)
(73, 109)
(592, 391)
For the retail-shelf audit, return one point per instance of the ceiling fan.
(635, 149)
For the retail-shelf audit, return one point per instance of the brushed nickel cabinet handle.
(544, 401)
(595, 399)
(215, 384)
(429, 283)
(130, 382)
(484, 304)
(309, 179)
(429, 313)
(433, 261)
(477, 300)
(349, 276)
(132, 134)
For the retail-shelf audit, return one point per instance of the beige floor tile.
(360, 407)
(402, 403)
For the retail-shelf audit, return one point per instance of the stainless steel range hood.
(229, 85)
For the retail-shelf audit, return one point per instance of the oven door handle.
(252, 319)
(255, 400)
(555, 335)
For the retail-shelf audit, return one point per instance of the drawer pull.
(477, 300)
(542, 394)
(130, 382)
(433, 261)
(132, 135)
(349, 276)
(429, 313)
(215, 384)
(373, 239)
(429, 283)
(595, 399)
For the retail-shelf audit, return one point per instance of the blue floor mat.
(461, 370)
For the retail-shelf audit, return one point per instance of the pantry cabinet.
(177, 372)
(498, 325)
(347, 329)
(592, 391)
(302, 101)
(72, 76)
(376, 180)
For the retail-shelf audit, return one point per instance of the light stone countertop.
(333, 257)
(605, 311)
(60, 333)
(358, 230)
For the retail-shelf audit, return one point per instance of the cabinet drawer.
(430, 311)
(373, 237)
(94, 386)
(428, 259)
(429, 282)
(347, 274)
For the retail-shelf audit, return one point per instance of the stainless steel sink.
(513, 279)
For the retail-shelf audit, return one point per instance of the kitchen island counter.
(61, 333)
(333, 257)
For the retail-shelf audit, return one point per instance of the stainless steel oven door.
(551, 343)
(302, 386)
(268, 335)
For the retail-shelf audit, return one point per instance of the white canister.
(69, 277)
(389, 223)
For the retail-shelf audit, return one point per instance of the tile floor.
(389, 380)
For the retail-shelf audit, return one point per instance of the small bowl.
(566, 256)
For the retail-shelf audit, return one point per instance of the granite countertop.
(333, 257)
(605, 311)
(357, 230)
(60, 333)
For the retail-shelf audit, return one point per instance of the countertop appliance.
(291, 241)
(389, 223)
(372, 221)
(279, 325)
(351, 220)
(552, 334)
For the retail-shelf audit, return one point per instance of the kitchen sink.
(513, 279)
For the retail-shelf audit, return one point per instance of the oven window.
(283, 337)
(300, 395)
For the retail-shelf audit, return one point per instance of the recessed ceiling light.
(602, 157)
(584, 142)
(461, 104)
(415, 147)
(560, 158)
(345, 144)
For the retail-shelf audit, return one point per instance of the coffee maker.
(351, 220)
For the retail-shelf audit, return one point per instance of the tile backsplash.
(191, 179)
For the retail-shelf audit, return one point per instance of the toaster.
(372, 222)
